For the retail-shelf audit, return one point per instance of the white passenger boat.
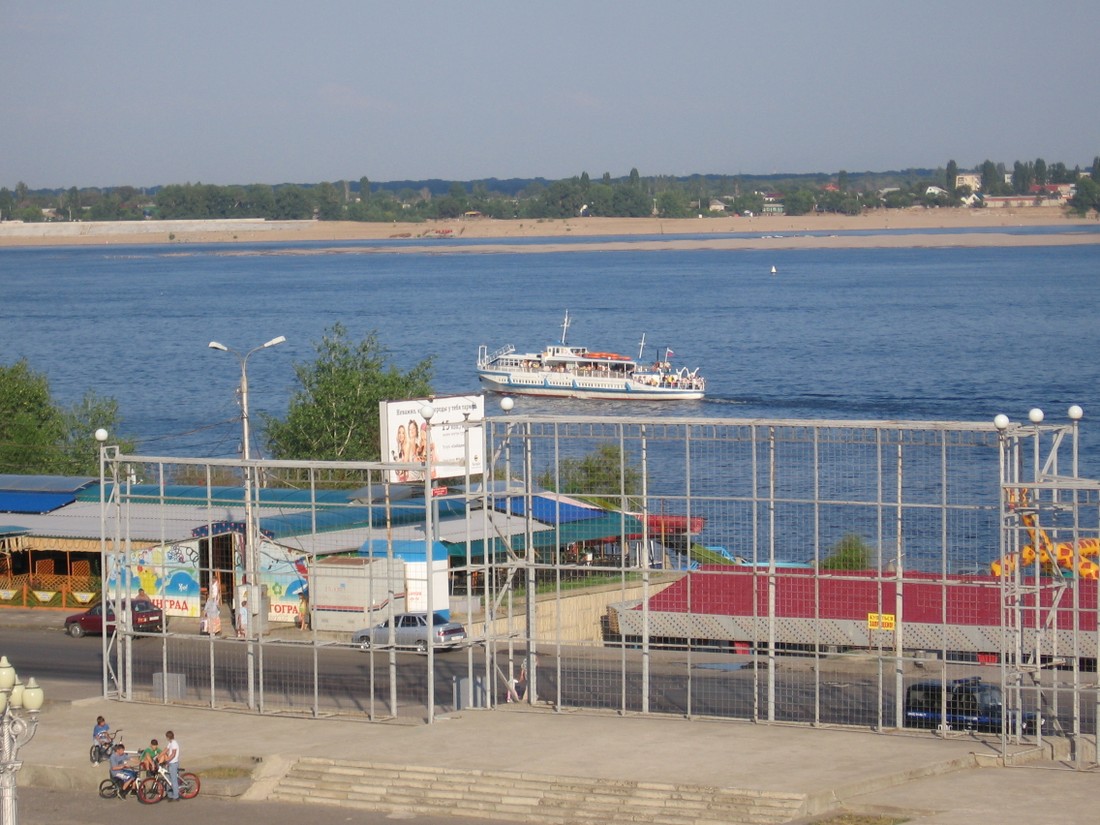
(577, 372)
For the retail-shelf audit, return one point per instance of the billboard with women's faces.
(450, 444)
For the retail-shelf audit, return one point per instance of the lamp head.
(1035, 415)
(1075, 413)
(7, 674)
(427, 411)
(280, 340)
(217, 346)
(507, 402)
(1000, 422)
(33, 695)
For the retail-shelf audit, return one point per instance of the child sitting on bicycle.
(101, 733)
(122, 770)
(150, 756)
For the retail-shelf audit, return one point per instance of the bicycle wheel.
(93, 754)
(108, 789)
(189, 785)
(151, 790)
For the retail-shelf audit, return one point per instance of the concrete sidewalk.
(941, 781)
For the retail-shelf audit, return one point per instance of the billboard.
(449, 445)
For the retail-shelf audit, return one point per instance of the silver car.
(412, 630)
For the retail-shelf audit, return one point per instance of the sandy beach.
(619, 233)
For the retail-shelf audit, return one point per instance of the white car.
(411, 630)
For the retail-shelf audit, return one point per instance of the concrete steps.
(553, 800)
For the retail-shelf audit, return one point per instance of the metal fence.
(806, 572)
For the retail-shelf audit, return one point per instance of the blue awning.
(547, 510)
(33, 503)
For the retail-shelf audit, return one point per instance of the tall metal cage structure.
(816, 572)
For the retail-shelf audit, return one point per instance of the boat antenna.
(641, 347)
(565, 328)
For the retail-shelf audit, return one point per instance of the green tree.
(292, 204)
(800, 202)
(951, 176)
(36, 436)
(673, 203)
(333, 416)
(1087, 197)
(79, 450)
(991, 180)
(329, 206)
(603, 477)
(850, 553)
(1041, 176)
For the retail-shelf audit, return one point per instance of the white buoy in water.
(773, 270)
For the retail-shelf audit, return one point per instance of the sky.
(150, 93)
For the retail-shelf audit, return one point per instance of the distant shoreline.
(651, 233)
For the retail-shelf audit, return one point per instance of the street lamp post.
(427, 412)
(251, 562)
(19, 707)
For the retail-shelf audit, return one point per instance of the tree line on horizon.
(630, 196)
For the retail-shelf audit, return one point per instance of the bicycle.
(111, 788)
(153, 788)
(101, 751)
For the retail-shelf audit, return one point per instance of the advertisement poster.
(451, 443)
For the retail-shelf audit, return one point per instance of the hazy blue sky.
(145, 93)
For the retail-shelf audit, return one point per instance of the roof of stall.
(39, 494)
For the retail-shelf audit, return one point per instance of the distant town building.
(1019, 201)
(971, 179)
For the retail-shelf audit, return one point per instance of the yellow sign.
(880, 621)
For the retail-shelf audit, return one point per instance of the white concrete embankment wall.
(107, 229)
(575, 616)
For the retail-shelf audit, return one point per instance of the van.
(970, 704)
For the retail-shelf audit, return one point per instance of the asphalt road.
(38, 806)
(716, 684)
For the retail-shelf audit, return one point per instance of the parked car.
(970, 704)
(412, 630)
(147, 618)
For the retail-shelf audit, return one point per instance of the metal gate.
(798, 571)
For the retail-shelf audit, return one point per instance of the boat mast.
(565, 328)
(641, 347)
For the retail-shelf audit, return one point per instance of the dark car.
(969, 704)
(147, 618)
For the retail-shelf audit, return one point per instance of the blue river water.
(948, 333)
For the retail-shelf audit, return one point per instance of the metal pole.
(251, 564)
(426, 412)
(16, 730)
(101, 437)
(249, 541)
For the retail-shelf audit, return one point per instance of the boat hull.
(575, 386)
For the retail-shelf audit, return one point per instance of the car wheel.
(364, 644)
(75, 630)
(421, 646)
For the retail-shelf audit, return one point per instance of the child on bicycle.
(149, 756)
(101, 733)
(122, 770)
